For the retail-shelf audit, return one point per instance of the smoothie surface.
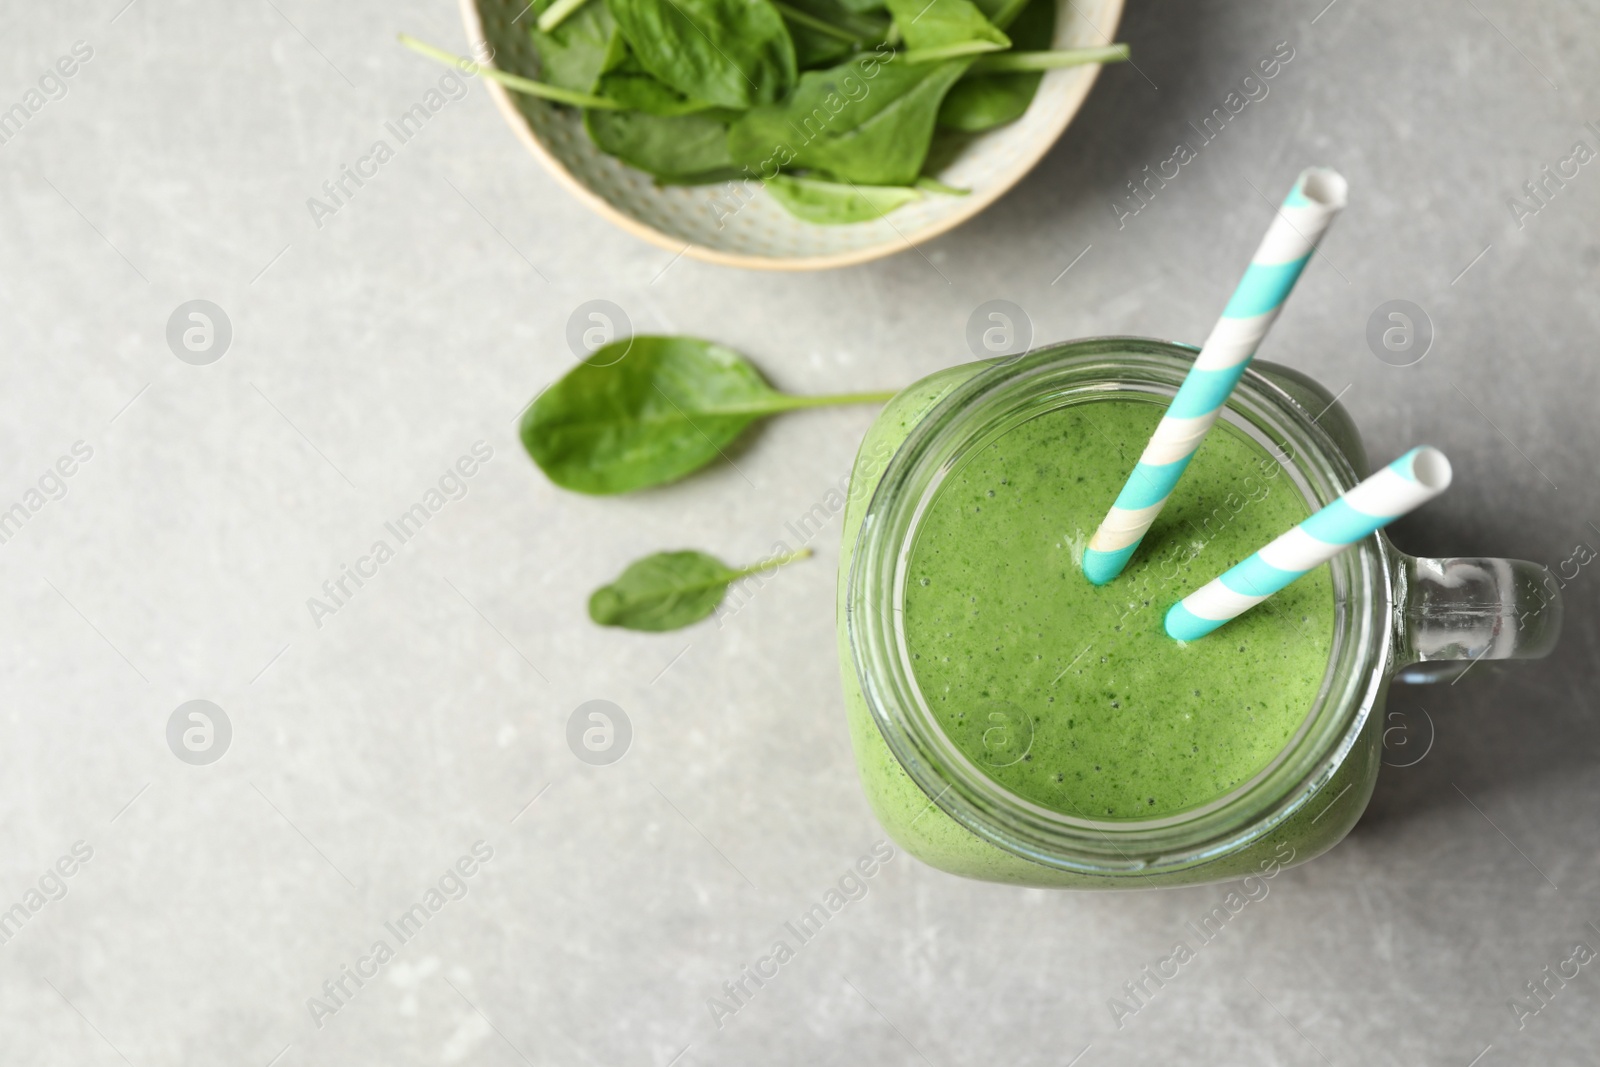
(1072, 696)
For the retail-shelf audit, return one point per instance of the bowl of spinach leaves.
(789, 134)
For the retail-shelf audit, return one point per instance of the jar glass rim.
(987, 405)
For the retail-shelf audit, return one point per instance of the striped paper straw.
(1317, 197)
(1407, 483)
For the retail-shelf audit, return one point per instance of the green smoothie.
(1072, 696)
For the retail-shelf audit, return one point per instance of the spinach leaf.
(868, 120)
(635, 88)
(684, 149)
(732, 53)
(983, 101)
(670, 590)
(574, 54)
(939, 24)
(828, 203)
(643, 411)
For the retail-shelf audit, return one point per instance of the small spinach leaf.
(732, 53)
(826, 203)
(868, 120)
(670, 590)
(644, 411)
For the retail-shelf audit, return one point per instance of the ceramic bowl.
(687, 220)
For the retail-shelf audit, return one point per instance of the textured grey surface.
(371, 753)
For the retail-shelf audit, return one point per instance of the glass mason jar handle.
(1454, 612)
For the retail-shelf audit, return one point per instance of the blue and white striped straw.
(1311, 206)
(1407, 483)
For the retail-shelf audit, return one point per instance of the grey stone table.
(412, 738)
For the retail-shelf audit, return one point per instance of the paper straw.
(1407, 483)
(1311, 206)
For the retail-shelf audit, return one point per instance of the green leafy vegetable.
(670, 590)
(629, 84)
(664, 133)
(731, 53)
(574, 52)
(983, 101)
(681, 148)
(836, 203)
(844, 106)
(868, 120)
(644, 411)
(938, 24)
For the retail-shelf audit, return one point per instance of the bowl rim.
(970, 205)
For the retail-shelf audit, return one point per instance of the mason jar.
(1395, 618)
